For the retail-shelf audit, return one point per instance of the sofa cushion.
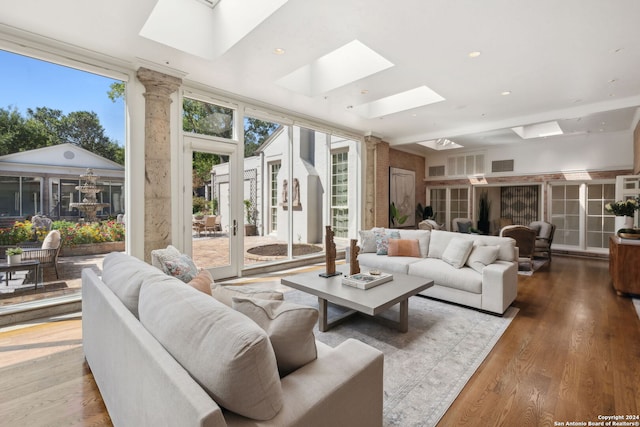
(230, 356)
(443, 274)
(160, 256)
(481, 256)
(52, 240)
(289, 327)
(404, 247)
(386, 263)
(382, 240)
(457, 252)
(124, 274)
(225, 294)
(464, 227)
(202, 281)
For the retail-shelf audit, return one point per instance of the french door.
(215, 243)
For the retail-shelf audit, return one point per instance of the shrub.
(71, 233)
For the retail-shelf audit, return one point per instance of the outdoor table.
(29, 265)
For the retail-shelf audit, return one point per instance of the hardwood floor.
(571, 354)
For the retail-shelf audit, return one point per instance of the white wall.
(608, 151)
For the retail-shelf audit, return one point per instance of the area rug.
(426, 368)
(636, 303)
(524, 270)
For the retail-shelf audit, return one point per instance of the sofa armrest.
(342, 387)
(499, 286)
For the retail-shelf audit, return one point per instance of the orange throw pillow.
(404, 247)
(202, 281)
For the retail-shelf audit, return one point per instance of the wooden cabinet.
(624, 265)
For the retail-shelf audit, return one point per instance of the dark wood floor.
(571, 354)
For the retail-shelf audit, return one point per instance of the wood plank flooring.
(572, 353)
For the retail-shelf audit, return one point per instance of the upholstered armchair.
(545, 231)
(461, 225)
(525, 238)
(47, 253)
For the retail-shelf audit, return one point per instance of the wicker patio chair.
(47, 253)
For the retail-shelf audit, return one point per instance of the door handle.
(235, 227)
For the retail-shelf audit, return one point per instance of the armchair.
(47, 253)
(545, 231)
(525, 238)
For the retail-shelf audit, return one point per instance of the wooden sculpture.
(354, 250)
(330, 254)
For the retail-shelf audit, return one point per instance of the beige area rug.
(426, 368)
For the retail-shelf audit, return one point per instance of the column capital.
(158, 83)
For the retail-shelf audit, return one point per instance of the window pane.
(207, 119)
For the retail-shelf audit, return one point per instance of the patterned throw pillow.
(382, 241)
(182, 268)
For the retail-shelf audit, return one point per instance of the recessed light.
(278, 51)
(474, 54)
(505, 93)
(364, 92)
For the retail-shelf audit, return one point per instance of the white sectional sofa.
(473, 270)
(138, 323)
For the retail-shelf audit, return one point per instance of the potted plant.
(396, 218)
(14, 256)
(250, 228)
(624, 211)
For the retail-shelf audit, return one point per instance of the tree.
(255, 133)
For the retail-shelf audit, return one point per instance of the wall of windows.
(20, 196)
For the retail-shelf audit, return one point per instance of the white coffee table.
(371, 302)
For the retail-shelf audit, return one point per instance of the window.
(207, 119)
(274, 168)
(565, 214)
(459, 203)
(600, 224)
(438, 197)
(340, 194)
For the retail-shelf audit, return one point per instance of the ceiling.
(576, 62)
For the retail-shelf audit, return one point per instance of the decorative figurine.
(330, 251)
(354, 250)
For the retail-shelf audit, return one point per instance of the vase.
(623, 222)
(14, 259)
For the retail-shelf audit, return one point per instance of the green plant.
(200, 204)
(485, 207)
(252, 213)
(423, 213)
(622, 207)
(395, 215)
(13, 251)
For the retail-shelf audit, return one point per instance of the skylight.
(344, 65)
(539, 130)
(440, 144)
(206, 29)
(413, 98)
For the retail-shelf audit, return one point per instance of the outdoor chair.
(525, 238)
(210, 224)
(47, 253)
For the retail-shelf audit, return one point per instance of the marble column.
(157, 149)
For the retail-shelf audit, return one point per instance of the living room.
(599, 148)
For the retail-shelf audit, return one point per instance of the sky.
(31, 83)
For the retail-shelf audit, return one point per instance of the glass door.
(212, 224)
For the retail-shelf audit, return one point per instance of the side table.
(30, 265)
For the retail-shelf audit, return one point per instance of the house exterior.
(43, 181)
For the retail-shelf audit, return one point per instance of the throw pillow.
(382, 240)
(367, 241)
(404, 247)
(52, 241)
(481, 256)
(464, 227)
(182, 268)
(225, 294)
(289, 327)
(457, 252)
(225, 352)
(202, 281)
(160, 256)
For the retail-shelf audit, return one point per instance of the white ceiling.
(574, 61)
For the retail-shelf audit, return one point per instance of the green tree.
(255, 133)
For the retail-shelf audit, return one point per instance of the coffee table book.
(365, 280)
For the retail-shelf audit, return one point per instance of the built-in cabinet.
(624, 265)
